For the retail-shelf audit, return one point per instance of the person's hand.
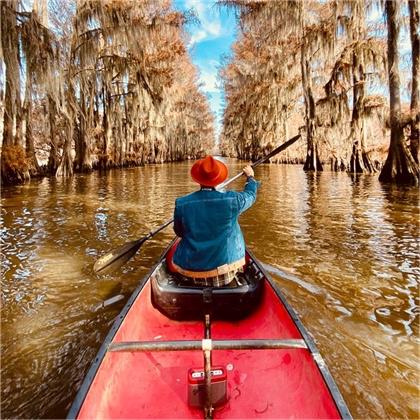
(248, 171)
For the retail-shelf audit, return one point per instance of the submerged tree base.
(360, 161)
(19, 172)
(338, 164)
(400, 167)
(313, 162)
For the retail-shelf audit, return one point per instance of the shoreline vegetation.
(106, 84)
(332, 67)
(95, 84)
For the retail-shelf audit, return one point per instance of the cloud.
(209, 81)
(214, 28)
(198, 5)
(196, 37)
(210, 24)
(209, 75)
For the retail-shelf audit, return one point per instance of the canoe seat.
(178, 301)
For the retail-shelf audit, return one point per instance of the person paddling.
(211, 250)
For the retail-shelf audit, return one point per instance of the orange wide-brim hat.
(209, 172)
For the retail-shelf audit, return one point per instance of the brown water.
(350, 247)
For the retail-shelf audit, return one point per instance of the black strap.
(207, 300)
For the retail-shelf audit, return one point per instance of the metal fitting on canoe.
(207, 344)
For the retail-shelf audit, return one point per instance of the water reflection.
(346, 249)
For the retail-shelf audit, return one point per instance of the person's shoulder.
(230, 194)
(185, 198)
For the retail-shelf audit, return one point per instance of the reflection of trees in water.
(333, 230)
(400, 211)
(23, 229)
(277, 218)
(356, 235)
(364, 247)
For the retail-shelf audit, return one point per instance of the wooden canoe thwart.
(188, 352)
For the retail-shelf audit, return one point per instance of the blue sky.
(210, 41)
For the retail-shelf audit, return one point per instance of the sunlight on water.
(344, 249)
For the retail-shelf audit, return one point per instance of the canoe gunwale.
(313, 349)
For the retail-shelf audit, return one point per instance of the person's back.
(207, 222)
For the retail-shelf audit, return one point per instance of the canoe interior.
(261, 383)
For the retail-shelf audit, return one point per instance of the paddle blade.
(117, 258)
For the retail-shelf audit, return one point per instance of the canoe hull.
(260, 383)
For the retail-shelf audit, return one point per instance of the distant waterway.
(345, 248)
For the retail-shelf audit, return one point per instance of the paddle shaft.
(261, 160)
(153, 232)
(237, 176)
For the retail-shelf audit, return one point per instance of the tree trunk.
(400, 166)
(338, 164)
(359, 161)
(19, 117)
(53, 157)
(33, 166)
(10, 55)
(83, 161)
(13, 162)
(413, 6)
(65, 168)
(312, 162)
(102, 147)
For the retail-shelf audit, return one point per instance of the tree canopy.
(323, 66)
(106, 84)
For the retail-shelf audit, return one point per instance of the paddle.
(119, 256)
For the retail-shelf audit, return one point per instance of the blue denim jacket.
(207, 222)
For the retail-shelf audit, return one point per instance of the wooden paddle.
(119, 256)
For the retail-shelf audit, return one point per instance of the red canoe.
(160, 360)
